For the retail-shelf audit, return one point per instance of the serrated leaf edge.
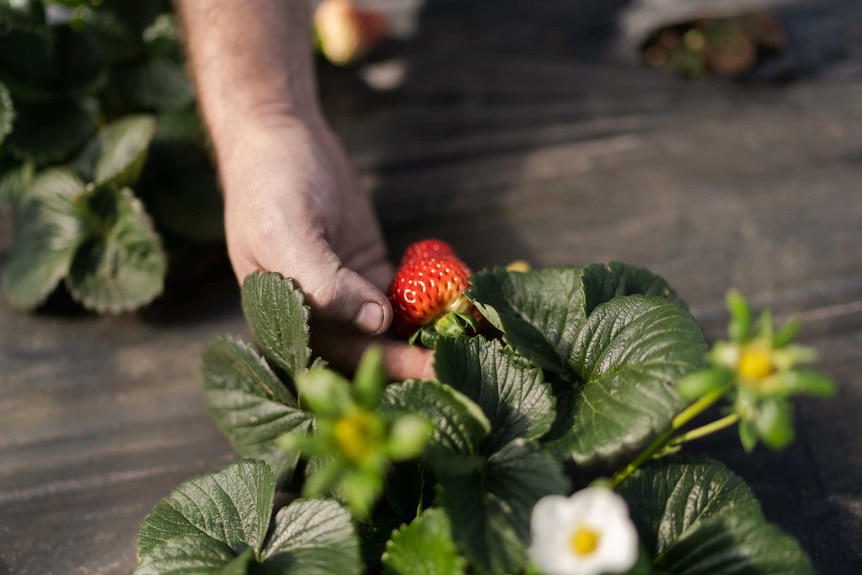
(105, 308)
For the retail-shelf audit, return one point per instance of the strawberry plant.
(102, 156)
(732, 46)
(593, 376)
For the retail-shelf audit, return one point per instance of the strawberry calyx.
(451, 325)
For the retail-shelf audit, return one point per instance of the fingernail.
(370, 317)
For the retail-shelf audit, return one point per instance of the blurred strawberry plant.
(731, 46)
(600, 372)
(102, 155)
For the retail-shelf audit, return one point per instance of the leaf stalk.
(665, 439)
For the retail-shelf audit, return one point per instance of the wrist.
(253, 67)
(270, 151)
(265, 124)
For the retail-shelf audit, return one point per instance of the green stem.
(705, 430)
(698, 407)
(661, 441)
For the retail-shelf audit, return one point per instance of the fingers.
(300, 212)
(338, 294)
(343, 351)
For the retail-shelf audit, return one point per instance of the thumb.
(340, 295)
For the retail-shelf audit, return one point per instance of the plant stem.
(698, 407)
(662, 440)
(705, 430)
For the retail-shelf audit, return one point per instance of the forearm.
(252, 63)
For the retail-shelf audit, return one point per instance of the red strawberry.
(424, 289)
(347, 32)
(425, 249)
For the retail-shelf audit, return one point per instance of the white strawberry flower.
(589, 533)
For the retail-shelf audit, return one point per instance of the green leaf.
(249, 403)
(374, 533)
(29, 65)
(459, 424)
(119, 152)
(424, 547)
(48, 231)
(669, 496)
(697, 384)
(325, 391)
(276, 312)
(114, 32)
(137, 16)
(48, 133)
(695, 517)
(360, 489)
(747, 436)
(804, 381)
(739, 328)
(194, 555)
(162, 37)
(15, 178)
(231, 507)
(766, 326)
(157, 84)
(313, 537)
(370, 378)
(42, 63)
(121, 266)
(490, 508)
(323, 475)
(628, 355)
(407, 437)
(736, 546)
(407, 485)
(83, 63)
(182, 125)
(190, 206)
(239, 565)
(68, 3)
(510, 391)
(22, 12)
(603, 282)
(787, 332)
(773, 421)
(7, 113)
(539, 311)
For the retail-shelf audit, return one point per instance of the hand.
(293, 205)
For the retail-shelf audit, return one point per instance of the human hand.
(293, 205)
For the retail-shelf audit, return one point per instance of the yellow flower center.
(585, 541)
(356, 435)
(755, 364)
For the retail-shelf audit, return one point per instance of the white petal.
(555, 519)
(618, 550)
(599, 502)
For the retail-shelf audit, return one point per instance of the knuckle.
(324, 294)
